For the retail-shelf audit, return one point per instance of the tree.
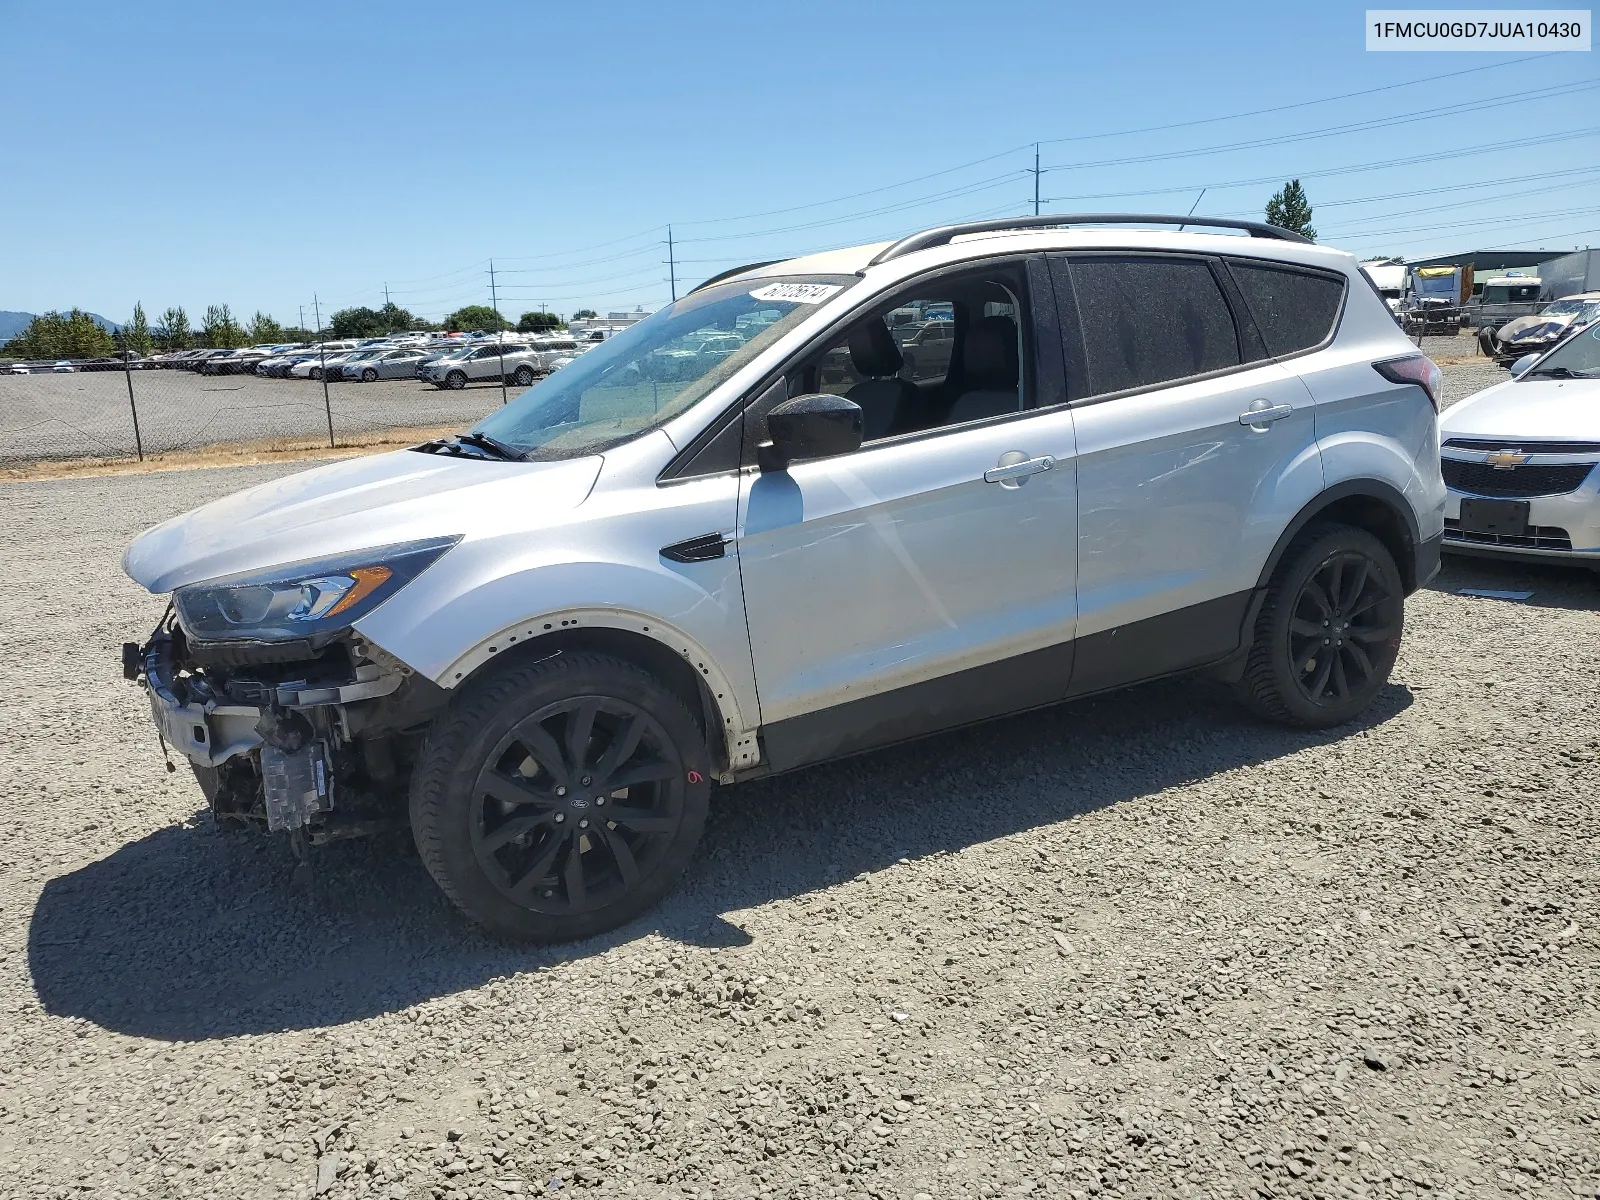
(476, 318)
(263, 329)
(585, 314)
(172, 330)
(538, 322)
(57, 335)
(220, 331)
(1290, 210)
(136, 338)
(373, 322)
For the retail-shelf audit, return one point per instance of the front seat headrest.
(873, 351)
(991, 361)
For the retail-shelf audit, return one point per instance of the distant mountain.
(13, 323)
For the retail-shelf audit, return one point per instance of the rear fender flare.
(1369, 489)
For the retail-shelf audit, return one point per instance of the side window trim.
(1077, 373)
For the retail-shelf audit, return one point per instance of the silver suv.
(519, 364)
(542, 641)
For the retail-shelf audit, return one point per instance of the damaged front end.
(292, 720)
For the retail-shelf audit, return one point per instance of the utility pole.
(302, 324)
(672, 266)
(1036, 173)
(386, 294)
(322, 357)
(499, 333)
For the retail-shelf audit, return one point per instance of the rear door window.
(1294, 310)
(1148, 321)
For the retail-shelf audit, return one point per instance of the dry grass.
(242, 454)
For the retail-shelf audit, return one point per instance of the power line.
(1447, 110)
(1409, 160)
(1277, 108)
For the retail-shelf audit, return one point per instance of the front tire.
(561, 799)
(523, 377)
(455, 381)
(1328, 632)
(370, 375)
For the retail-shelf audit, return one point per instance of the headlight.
(303, 600)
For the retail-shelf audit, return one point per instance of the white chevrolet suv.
(542, 641)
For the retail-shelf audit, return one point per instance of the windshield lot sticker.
(797, 293)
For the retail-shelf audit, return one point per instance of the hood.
(1533, 325)
(1528, 410)
(372, 501)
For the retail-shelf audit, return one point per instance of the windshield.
(1577, 357)
(656, 369)
(1562, 307)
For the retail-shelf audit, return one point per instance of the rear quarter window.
(1294, 310)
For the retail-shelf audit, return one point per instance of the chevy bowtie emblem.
(1504, 460)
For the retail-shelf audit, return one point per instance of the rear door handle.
(1266, 414)
(1014, 472)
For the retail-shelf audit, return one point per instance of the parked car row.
(446, 362)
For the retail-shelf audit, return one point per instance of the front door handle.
(1013, 470)
(1262, 413)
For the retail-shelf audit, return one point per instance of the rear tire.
(510, 796)
(1328, 632)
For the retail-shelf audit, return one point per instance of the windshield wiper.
(1557, 373)
(484, 442)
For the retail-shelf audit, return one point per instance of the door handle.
(1013, 469)
(1263, 413)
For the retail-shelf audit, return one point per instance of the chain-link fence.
(112, 410)
(116, 410)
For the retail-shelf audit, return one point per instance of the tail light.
(1413, 368)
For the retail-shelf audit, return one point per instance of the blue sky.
(256, 155)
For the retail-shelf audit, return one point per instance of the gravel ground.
(1135, 947)
(87, 414)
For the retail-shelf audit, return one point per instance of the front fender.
(447, 625)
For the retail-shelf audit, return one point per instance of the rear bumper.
(1576, 515)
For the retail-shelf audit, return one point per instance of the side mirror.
(816, 426)
(1520, 367)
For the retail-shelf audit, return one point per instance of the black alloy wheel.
(576, 804)
(1340, 620)
(1328, 632)
(561, 798)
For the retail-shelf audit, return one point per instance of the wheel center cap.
(578, 803)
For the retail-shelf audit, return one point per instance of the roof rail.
(718, 278)
(945, 234)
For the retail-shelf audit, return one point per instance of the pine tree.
(173, 330)
(1290, 210)
(61, 335)
(136, 338)
(264, 330)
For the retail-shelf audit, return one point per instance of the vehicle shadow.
(192, 933)
(1558, 585)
